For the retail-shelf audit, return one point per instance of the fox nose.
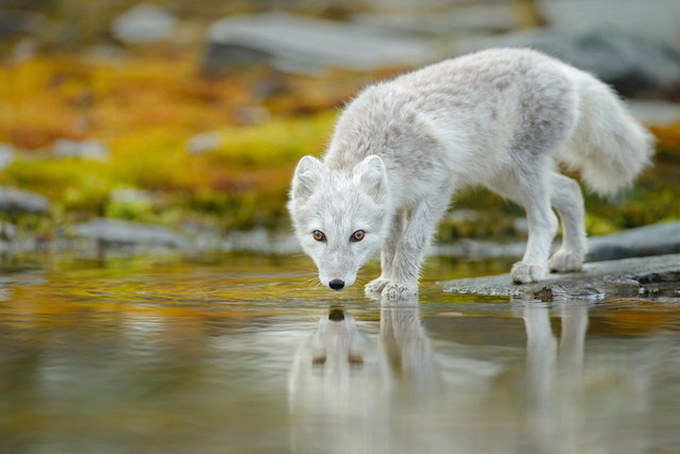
(336, 284)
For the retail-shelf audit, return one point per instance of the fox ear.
(372, 176)
(307, 174)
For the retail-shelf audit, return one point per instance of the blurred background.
(179, 123)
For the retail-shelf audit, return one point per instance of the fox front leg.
(411, 248)
(387, 254)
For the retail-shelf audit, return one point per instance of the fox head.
(340, 216)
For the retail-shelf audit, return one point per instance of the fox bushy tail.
(608, 147)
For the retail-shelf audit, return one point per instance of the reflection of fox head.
(340, 217)
(337, 367)
(338, 389)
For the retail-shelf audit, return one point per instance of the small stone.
(251, 115)
(204, 142)
(545, 294)
(144, 23)
(13, 200)
(85, 149)
(128, 195)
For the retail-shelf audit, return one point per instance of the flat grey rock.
(654, 239)
(115, 232)
(13, 200)
(301, 44)
(598, 280)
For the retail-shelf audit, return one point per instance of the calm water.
(248, 355)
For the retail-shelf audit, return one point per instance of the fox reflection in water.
(351, 393)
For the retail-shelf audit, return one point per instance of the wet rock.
(144, 23)
(13, 200)
(655, 239)
(622, 278)
(84, 149)
(111, 232)
(631, 64)
(306, 45)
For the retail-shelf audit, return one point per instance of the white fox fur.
(499, 118)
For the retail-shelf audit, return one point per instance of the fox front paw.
(564, 261)
(523, 273)
(376, 286)
(394, 292)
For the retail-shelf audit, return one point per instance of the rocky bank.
(598, 280)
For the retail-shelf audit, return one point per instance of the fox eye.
(318, 235)
(357, 236)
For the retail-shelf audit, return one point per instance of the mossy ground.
(146, 106)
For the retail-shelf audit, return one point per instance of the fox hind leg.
(567, 199)
(530, 187)
(542, 224)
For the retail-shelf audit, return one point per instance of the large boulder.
(632, 64)
(301, 44)
(654, 19)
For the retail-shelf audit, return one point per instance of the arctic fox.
(500, 118)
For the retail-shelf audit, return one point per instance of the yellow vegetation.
(146, 109)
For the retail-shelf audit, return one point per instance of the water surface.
(249, 355)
